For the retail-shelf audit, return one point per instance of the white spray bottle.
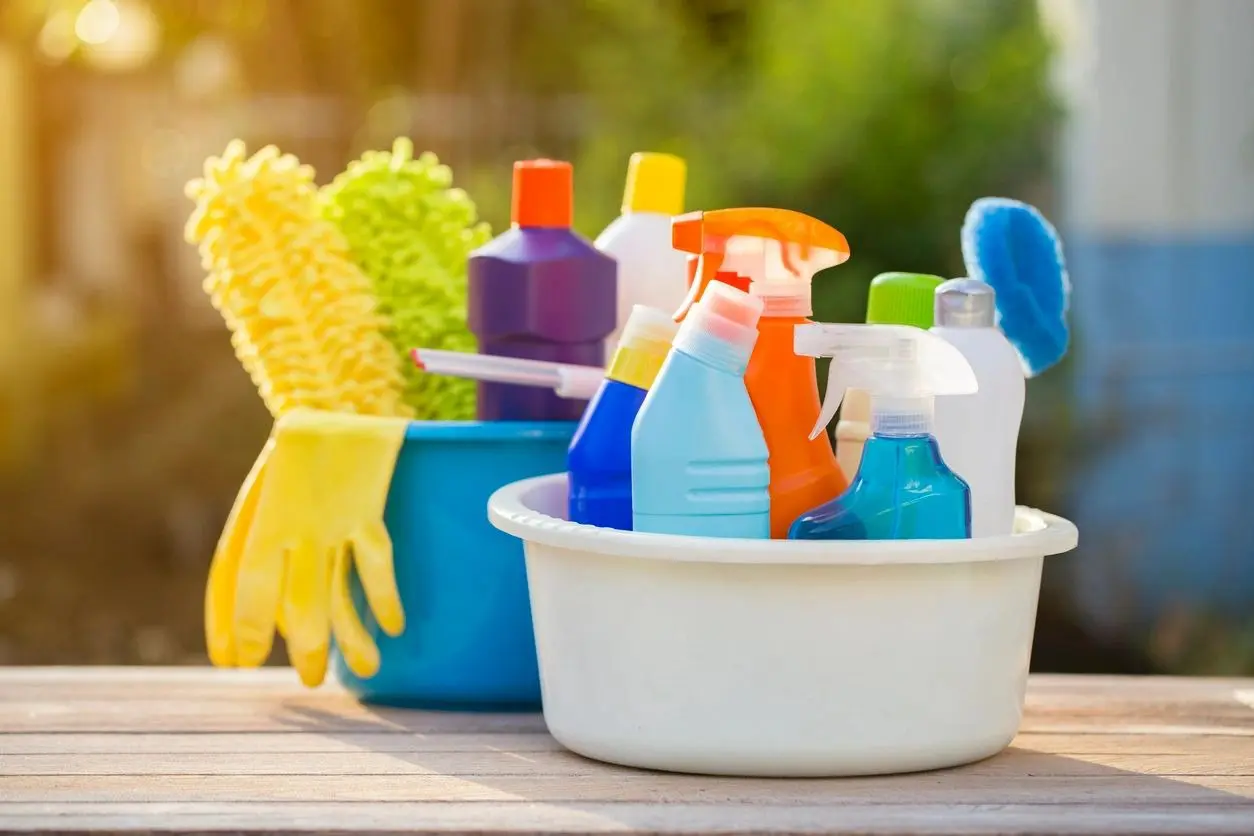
(903, 490)
(979, 433)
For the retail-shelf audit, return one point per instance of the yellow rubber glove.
(313, 503)
(224, 568)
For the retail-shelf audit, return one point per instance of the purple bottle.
(540, 291)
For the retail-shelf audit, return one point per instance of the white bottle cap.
(722, 325)
(648, 325)
(965, 303)
(783, 297)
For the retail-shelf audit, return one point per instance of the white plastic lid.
(647, 324)
(724, 316)
(783, 297)
(965, 303)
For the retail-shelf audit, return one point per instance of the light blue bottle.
(698, 457)
(903, 489)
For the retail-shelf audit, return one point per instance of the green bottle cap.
(902, 299)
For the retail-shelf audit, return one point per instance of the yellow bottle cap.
(655, 183)
(645, 342)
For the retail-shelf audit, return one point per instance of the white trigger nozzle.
(831, 403)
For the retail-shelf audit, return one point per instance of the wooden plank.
(223, 683)
(252, 751)
(559, 763)
(631, 786)
(96, 683)
(167, 700)
(336, 712)
(1091, 725)
(256, 715)
(86, 677)
(174, 743)
(431, 818)
(275, 716)
(1132, 687)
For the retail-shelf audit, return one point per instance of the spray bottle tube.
(566, 380)
(903, 489)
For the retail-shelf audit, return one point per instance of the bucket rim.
(490, 430)
(1038, 534)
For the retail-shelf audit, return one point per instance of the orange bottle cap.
(543, 193)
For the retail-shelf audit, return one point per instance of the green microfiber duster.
(411, 232)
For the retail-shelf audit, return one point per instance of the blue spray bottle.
(698, 456)
(599, 459)
(903, 489)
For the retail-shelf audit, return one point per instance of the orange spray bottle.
(775, 252)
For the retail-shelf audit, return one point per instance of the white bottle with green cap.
(980, 432)
(651, 272)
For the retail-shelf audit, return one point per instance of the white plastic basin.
(778, 658)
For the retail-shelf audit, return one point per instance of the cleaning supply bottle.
(650, 271)
(698, 457)
(599, 459)
(903, 490)
(979, 432)
(540, 291)
(778, 252)
(894, 299)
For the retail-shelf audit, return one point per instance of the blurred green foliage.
(885, 118)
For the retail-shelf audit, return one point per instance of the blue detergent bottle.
(903, 489)
(599, 460)
(698, 456)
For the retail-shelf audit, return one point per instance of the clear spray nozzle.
(902, 368)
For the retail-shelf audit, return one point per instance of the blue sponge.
(1010, 245)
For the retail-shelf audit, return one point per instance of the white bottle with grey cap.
(979, 433)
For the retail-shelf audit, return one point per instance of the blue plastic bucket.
(468, 642)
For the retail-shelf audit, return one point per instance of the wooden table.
(183, 750)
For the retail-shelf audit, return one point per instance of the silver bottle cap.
(965, 303)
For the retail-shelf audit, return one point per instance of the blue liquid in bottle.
(903, 491)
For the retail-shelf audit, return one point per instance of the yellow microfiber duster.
(302, 316)
(304, 325)
(411, 233)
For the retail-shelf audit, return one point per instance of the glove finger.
(224, 567)
(258, 596)
(306, 610)
(372, 551)
(358, 649)
(220, 609)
